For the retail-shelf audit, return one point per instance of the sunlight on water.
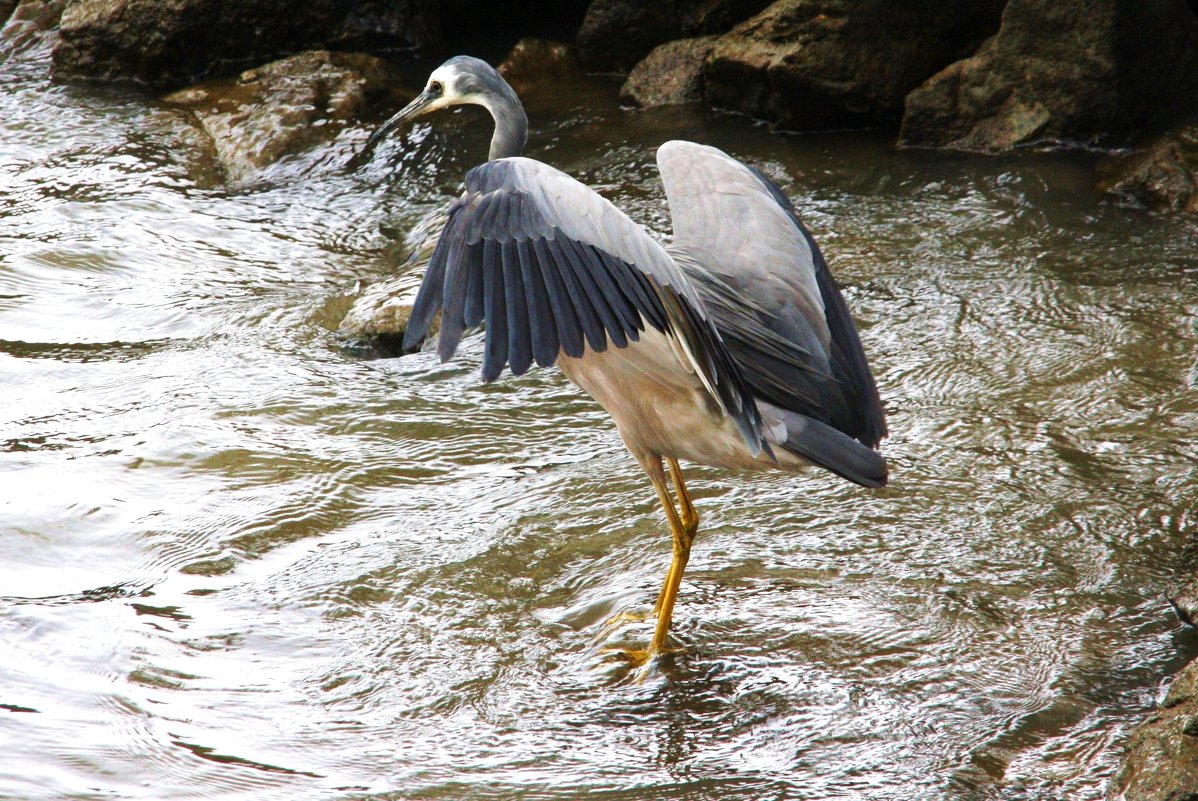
(241, 563)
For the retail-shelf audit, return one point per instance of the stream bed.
(239, 561)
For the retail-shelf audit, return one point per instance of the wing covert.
(550, 266)
(769, 290)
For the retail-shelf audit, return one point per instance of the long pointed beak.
(418, 106)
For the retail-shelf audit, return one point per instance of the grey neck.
(511, 127)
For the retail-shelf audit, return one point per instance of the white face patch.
(447, 77)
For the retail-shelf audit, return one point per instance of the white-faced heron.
(730, 347)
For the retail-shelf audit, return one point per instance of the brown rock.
(616, 34)
(671, 74)
(1162, 175)
(1161, 760)
(820, 64)
(283, 107)
(174, 42)
(31, 28)
(378, 318)
(536, 61)
(1062, 69)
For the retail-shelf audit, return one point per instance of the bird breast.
(660, 407)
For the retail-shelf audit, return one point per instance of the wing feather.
(542, 320)
(569, 329)
(769, 290)
(554, 267)
(519, 335)
(495, 348)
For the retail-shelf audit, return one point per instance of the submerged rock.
(1161, 175)
(826, 64)
(1161, 760)
(616, 34)
(1062, 69)
(378, 319)
(1183, 589)
(671, 74)
(174, 42)
(30, 27)
(283, 107)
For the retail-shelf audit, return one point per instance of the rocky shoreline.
(979, 76)
(261, 79)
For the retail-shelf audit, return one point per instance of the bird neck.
(511, 127)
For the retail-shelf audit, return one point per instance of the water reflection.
(239, 563)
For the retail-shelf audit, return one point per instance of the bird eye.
(435, 88)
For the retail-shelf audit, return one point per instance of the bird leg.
(683, 527)
(688, 520)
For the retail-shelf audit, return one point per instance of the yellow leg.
(682, 527)
(688, 519)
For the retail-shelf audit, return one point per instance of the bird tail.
(833, 450)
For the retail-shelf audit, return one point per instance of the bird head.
(459, 81)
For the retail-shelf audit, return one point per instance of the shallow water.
(240, 563)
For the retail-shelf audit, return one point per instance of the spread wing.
(550, 266)
(769, 291)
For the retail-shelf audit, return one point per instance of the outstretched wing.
(550, 266)
(768, 290)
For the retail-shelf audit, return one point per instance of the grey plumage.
(733, 347)
(769, 290)
(519, 217)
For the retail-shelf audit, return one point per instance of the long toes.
(620, 618)
(636, 657)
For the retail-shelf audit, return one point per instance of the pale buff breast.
(662, 409)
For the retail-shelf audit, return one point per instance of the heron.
(732, 346)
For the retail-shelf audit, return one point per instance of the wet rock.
(283, 107)
(1162, 175)
(1183, 589)
(175, 42)
(378, 319)
(31, 28)
(616, 34)
(1062, 69)
(376, 323)
(671, 74)
(539, 61)
(826, 64)
(1161, 760)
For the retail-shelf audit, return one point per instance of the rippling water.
(239, 563)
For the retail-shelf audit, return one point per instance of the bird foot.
(642, 660)
(620, 618)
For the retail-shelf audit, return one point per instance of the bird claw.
(620, 618)
(643, 661)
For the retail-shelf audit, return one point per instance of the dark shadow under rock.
(671, 74)
(174, 42)
(1062, 69)
(829, 64)
(283, 107)
(1160, 175)
(616, 34)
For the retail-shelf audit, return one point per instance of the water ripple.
(239, 563)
